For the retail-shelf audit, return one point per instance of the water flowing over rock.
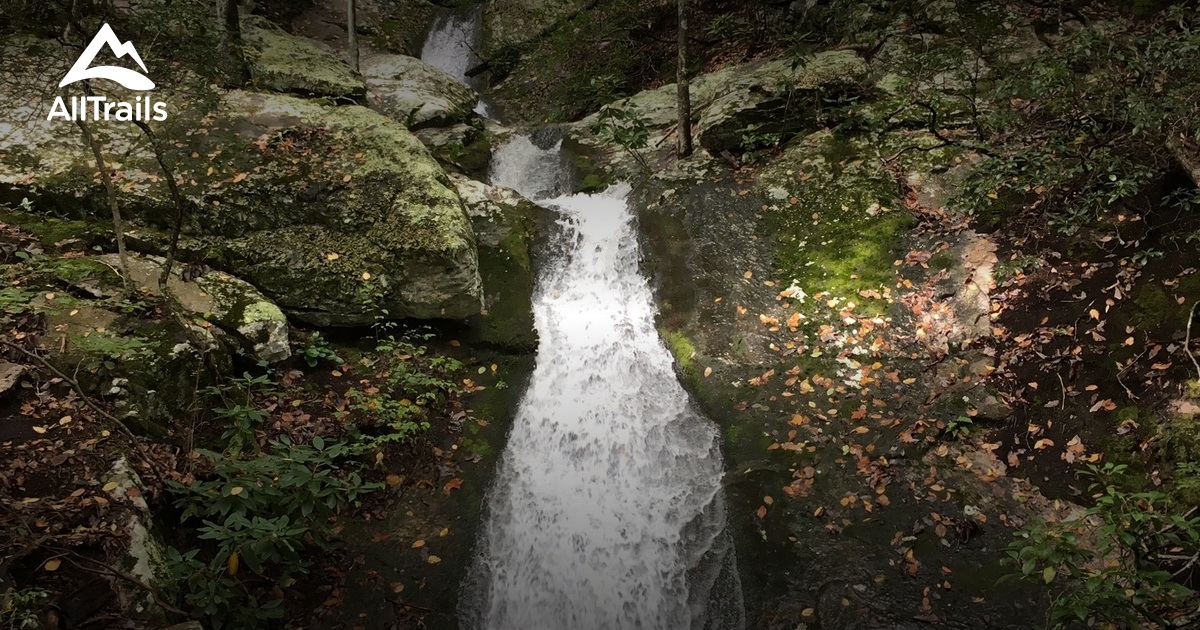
(607, 511)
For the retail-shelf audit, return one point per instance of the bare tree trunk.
(233, 40)
(352, 32)
(683, 102)
(106, 177)
(176, 198)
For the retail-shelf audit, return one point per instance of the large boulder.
(415, 93)
(761, 97)
(505, 225)
(338, 214)
(150, 368)
(508, 23)
(216, 296)
(283, 62)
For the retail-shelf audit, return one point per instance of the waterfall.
(607, 511)
(452, 44)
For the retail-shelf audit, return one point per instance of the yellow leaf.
(1094, 314)
(707, 372)
(39, 429)
(232, 565)
(234, 491)
(110, 486)
(417, 544)
(332, 256)
(366, 276)
(52, 564)
(433, 560)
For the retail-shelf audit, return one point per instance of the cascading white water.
(607, 511)
(452, 44)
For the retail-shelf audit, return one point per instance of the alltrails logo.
(143, 109)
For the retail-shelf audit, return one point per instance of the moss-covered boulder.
(415, 93)
(149, 368)
(505, 226)
(282, 62)
(775, 97)
(215, 296)
(338, 214)
(735, 104)
(508, 23)
(835, 214)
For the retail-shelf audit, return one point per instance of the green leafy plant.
(1110, 565)
(238, 411)
(318, 350)
(260, 513)
(625, 128)
(19, 608)
(959, 427)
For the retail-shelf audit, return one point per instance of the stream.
(607, 511)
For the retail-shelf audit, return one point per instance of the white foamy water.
(607, 510)
(452, 46)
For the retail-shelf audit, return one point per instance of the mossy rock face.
(336, 213)
(152, 368)
(835, 214)
(464, 147)
(768, 98)
(282, 62)
(415, 93)
(505, 227)
(508, 23)
(776, 98)
(232, 303)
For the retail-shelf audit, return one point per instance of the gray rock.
(282, 62)
(415, 93)
(230, 302)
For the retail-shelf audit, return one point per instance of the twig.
(141, 448)
(127, 577)
(1063, 404)
(1187, 341)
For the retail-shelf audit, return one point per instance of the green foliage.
(1080, 127)
(261, 513)
(19, 608)
(318, 350)
(959, 427)
(755, 139)
(15, 300)
(1110, 566)
(416, 382)
(240, 416)
(626, 128)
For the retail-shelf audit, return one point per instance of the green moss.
(683, 350)
(51, 231)
(74, 270)
(843, 230)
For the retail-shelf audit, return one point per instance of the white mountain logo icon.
(126, 77)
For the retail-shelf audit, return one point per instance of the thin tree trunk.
(176, 198)
(106, 177)
(683, 132)
(233, 41)
(352, 32)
